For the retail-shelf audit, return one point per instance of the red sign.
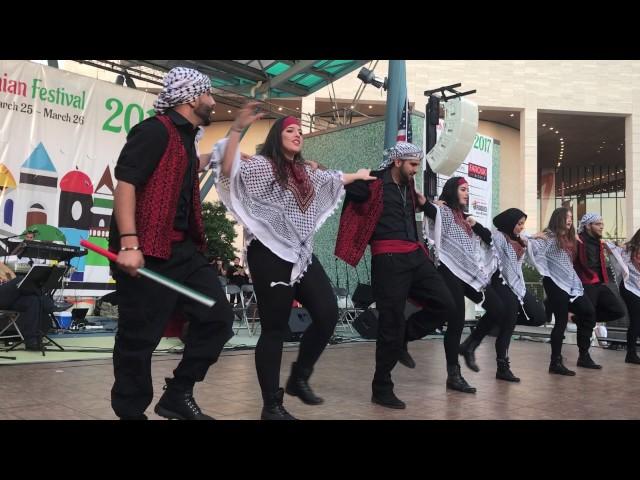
(476, 171)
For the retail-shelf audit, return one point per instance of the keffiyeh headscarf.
(181, 85)
(586, 219)
(402, 151)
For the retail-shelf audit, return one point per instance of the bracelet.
(129, 235)
(235, 129)
(127, 249)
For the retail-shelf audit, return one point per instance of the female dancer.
(627, 268)
(508, 283)
(466, 266)
(553, 257)
(281, 202)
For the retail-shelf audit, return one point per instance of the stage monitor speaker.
(299, 321)
(363, 295)
(366, 324)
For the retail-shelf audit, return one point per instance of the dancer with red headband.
(466, 263)
(281, 201)
(382, 213)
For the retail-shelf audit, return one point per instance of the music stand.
(39, 279)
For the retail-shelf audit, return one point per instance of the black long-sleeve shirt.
(146, 143)
(398, 220)
(592, 249)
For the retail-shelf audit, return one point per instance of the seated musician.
(23, 263)
(12, 299)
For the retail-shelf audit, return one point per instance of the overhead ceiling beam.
(235, 68)
(279, 81)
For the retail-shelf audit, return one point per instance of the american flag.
(405, 134)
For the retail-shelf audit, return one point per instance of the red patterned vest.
(586, 275)
(157, 200)
(358, 222)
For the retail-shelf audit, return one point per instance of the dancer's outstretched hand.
(365, 174)
(247, 115)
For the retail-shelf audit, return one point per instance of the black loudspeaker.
(366, 324)
(299, 321)
(362, 296)
(535, 310)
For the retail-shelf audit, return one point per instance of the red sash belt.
(379, 247)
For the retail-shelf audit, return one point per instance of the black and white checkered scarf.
(624, 269)
(401, 150)
(509, 264)
(554, 262)
(181, 85)
(465, 255)
(271, 213)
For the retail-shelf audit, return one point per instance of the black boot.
(405, 357)
(467, 350)
(585, 361)
(632, 357)
(177, 403)
(142, 416)
(504, 371)
(298, 385)
(455, 380)
(388, 399)
(556, 366)
(273, 409)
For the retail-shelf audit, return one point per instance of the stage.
(80, 390)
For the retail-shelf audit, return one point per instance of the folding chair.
(345, 309)
(238, 311)
(250, 306)
(12, 317)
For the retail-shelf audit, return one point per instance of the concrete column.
(529, 158)
(632, 173)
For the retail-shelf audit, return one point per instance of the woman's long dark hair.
(633, 245)
(450, 193)
(272, 149)
(558, 225)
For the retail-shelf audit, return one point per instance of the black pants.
(633, 307)
(314, 292)
(581, 307)
(532, 313)
(608, 307)
(506, 323)
(396, 277)
(145, 307)
(32, 308)
(492, 304)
